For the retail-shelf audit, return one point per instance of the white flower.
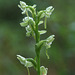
(29, 30)
(24, 61)
(49, 11)
(43, 70)
(49, 41)
(27, 21)
(23, 7)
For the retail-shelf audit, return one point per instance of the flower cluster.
(31, 24)
(28, 22)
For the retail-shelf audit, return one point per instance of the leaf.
(42, 32)
(43, 70)
(32, 61)
(40, 44)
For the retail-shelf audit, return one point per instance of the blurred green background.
(13, 40)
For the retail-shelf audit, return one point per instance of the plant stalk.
(28, 71)
(38, 64)
(37, 50)
(38, 59)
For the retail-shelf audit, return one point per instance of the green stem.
(38, 59)
(28, 71)
(38, 64)
(37, 34)
(36, 48)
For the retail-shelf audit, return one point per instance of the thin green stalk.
(38, 64)
(38, 59)
(28, 71)
(36, 49)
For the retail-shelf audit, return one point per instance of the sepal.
(42, 31)
(40, 22)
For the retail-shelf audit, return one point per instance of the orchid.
(31, 24)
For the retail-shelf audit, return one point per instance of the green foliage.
(31, 24)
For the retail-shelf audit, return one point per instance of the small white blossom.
(27, 21)
(49, 41)
(24, 61)
(23, 7)
(49, 11)
(29, 30)
(43, 70)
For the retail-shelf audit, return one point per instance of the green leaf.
(32, 61)
(43, 70)
(42, 32)
(40, 44)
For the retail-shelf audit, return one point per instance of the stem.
(28, 71)
(36, 48)
(38, 59)
(37, 34)
(38, 64)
